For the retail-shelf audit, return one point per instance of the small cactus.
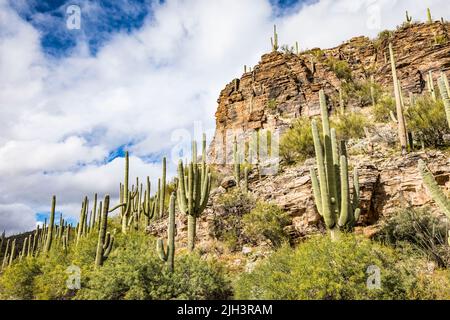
(408, 18)
(274, 40)
(429, 17)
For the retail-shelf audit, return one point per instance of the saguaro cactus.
(433, 188)
(168, 254)
(274, 40)
(445, 94)
(51, 226)
(331, 186)
(193, 192)
(105, 239)
(237, 163)
(429, 17)
(6, 254)
(399, 107)
(162, 191)
(408, 18)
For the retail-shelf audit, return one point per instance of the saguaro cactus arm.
(435, 191)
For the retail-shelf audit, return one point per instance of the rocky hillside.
(284, 86)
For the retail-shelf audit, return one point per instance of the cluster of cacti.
(194, 185)
(444, 89)
(400, 119)
(274, 40)
(168, 255)
(135, 203)
(331, 188)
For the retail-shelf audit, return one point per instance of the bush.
(17, 281)
(426, 119)
(418, 227)
(340, 67)
(361, 91)
(297, 144)
(227, 223)
(266, 222)
(350, 125)
(135, 272)
(322, 269)
(382, 109)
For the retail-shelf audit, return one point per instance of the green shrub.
(383, 107)
(323, 269)
(418, 227)
(350, 125)
(361, 91)
(135, 272)
(266, 222)
(426, 119)
(340, 67)
(297, 144)
(227, 222)
(17, 281)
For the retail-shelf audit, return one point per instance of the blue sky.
(142, 76)
(101, 19)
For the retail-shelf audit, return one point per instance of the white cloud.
(60, 118)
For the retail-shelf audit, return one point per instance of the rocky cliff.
(284, 86)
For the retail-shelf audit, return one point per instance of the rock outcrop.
(284, 86)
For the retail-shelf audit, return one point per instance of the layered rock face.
(284, 86)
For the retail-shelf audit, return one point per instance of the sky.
(140, 76)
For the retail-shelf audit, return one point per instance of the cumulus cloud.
(61, 117)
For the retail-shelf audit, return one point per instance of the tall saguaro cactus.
(331, 186)
(162, 191)
(168, 254)
(105, 239)
(445, 94)
(433, 188)
(193, 192)
(48, 243)
(402, 133)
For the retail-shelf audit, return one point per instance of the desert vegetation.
(112, 252)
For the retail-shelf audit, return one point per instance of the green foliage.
(134, 273)
(350, 125)
(361, 92)
(340, 67)
(266, 222)
(272, 104)
(418, 227)
(427, 120)
(296, 144)
(382, 38)
(227, 223)
(323, 269)
(384, 106)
